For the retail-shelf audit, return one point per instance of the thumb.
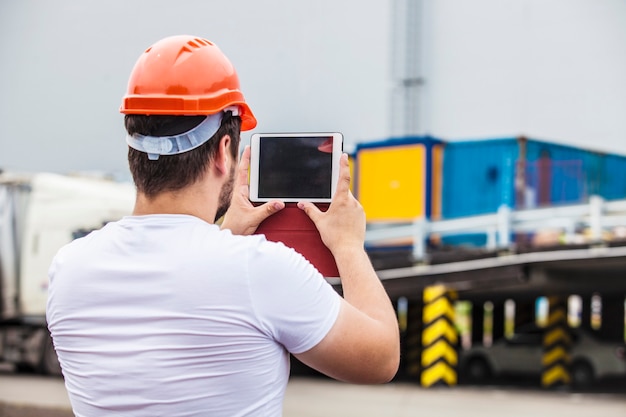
(311, 210)
(265, 210)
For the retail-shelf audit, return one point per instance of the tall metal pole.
(407, 67)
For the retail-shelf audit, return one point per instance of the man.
(164, 312)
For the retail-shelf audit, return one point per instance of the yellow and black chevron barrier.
(439, 338)
(557, 342)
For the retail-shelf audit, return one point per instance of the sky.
(549, 69)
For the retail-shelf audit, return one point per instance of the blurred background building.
(452, 69)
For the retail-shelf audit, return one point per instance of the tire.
(24, 368)
(477, 370)
(582, 374)
(49, 364)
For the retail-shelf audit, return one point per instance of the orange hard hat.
(185, 75)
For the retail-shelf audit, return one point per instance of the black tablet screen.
(295, 167)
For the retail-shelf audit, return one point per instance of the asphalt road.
(36, 396)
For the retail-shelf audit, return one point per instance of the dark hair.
(174, 172)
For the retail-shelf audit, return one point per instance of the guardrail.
(596, 216)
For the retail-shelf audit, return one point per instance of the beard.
(226, 194)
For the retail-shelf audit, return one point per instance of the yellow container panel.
(391, 182)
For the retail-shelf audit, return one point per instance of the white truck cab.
(39, 213)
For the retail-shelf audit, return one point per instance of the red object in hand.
(295, 229)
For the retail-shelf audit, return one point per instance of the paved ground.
(34, 396)
(409, 400)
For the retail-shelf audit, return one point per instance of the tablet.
(294, 167)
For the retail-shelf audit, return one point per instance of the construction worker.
(165, 313)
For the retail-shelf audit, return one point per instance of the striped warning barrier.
(439, 338)
(557, 342)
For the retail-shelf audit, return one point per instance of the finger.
(343, 183)
(244, 166)
(265, 210)
(311, 210)
(274, 206)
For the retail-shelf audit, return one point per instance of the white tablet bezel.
(255, 140)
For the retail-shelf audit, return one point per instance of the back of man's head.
(183, 96)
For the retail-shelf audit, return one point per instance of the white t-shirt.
(167, 315)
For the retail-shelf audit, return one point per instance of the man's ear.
(222, 156)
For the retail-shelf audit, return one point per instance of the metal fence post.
(504, 226)
(595, 217)
(419, 238)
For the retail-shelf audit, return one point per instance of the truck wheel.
(477, 370)
(24, 368)
(582, 374)
(49, 364)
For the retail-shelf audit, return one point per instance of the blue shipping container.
(613, 185)
(480, 176)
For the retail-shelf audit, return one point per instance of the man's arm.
(363, 346)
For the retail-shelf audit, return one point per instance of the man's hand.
(363, 345)
(342, 226)
(242, 218)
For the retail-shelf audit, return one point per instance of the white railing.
(595, 217)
